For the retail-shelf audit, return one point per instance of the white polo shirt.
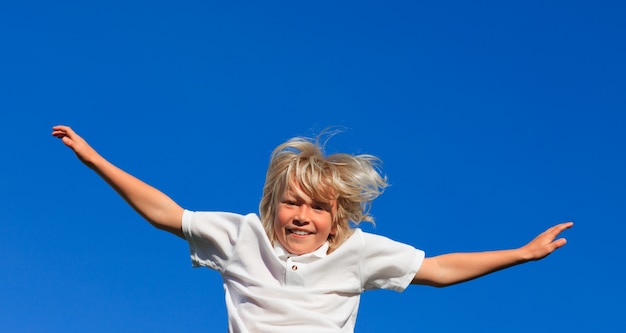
(270, 290)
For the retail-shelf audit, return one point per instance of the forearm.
(453, 268)
(449, 269)
(152, 204)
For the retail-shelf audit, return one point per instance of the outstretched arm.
(448, 269)
(152, 204)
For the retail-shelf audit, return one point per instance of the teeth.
(298, 232)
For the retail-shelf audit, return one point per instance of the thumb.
(67, 141)
(559, 242)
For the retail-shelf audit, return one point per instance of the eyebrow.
(327, 205)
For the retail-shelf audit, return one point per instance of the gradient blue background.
(495, 120)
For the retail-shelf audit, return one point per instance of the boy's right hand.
(80, 147)
(156, 207)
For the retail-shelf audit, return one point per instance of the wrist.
(523, 254)
(93, 160)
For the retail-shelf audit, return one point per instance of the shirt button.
(294, 268)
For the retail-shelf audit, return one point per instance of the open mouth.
(298, 232)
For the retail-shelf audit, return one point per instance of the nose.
(302, 217)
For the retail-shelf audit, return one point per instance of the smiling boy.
(298, 266)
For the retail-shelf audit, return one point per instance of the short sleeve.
(211, 237)
(388, 264)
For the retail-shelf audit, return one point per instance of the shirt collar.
(317, 254)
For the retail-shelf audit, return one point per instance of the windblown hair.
(354, 181)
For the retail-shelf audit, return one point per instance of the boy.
(298, 266)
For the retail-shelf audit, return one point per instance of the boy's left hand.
(545, 243)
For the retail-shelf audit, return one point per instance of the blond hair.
(354, 181)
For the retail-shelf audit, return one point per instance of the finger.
(563, 226)
(58, 130)
(560, 242)
(557, 229)
(62, 130)
(59, 134)
(60, 127)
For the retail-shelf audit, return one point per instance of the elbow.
(439, 285)
(175, 230)
(432, 283)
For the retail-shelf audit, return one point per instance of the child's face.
(302, 224)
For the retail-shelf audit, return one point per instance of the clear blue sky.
(494, 120)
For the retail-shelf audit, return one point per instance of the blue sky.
(494, 120)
